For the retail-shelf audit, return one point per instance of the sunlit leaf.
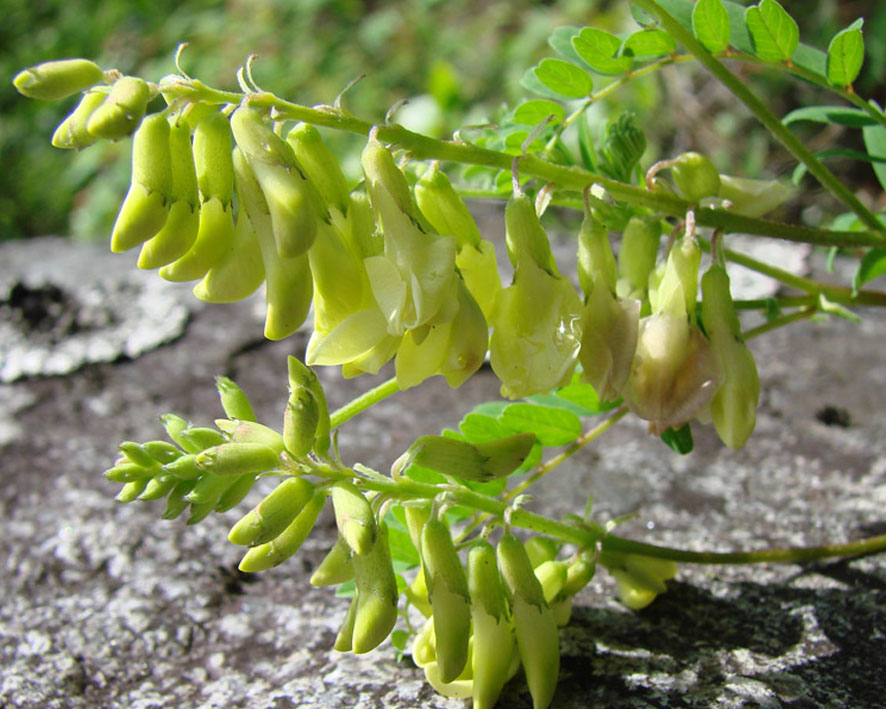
(598, 49)
(531, 113)
(841, 115)
(563, 78)
(710, 23)
(845, 55)
(560, 41)
(649, 43)
(552, 427)
(875, 143)
(872, 265)
(774, 32)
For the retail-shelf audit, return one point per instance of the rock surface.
(107, 606)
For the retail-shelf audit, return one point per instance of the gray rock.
(107, 606)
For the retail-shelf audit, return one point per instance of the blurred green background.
(459, 61)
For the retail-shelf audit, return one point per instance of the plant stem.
(789, 555)
(363, 402)
(779, 322)
(421, 147)
(769, 120)
(544, 468)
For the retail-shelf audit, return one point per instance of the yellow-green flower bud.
(127, 473)
(303, 378)
(639, 578)
(450, 601)
(251, 432)
(293, 205)
(354, 517)
(289, 282)
(344, 639)
(540, 550)
(734, 406)
(336, 566)
(525, 236)
(495, 644)
(637, 255)
(268, 519)
(234, 400)
(300, 422)
(51, 81)
(695, 176)
(71, 132)
(184, 467)
(552, 576)
(158, 488)
(121, 111)
(137, 454)
(177, 503)
(239, 272)
(206, 493)
(180, 230)
(212, 159)
(320, 165)
(198, 438)
(161, 451)
(376, 594)
(215, 235)
(288, 542)
(596, 264)
(235, 494)
(257, 140)
(131, 490)
(238, 459)
(145, 208)
(445, 210)
(536, 628)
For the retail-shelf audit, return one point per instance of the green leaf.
(641, 17)
(530, 82)
(800, 170)
(583, 395)
(773, 31)
(561, 42)
(875, 143)
(845, 55)
(477, 428)
(531, 113)
(563, 78)
(680, 439)
(841, 115)
(710, 24)
(872, 265)
(552, 427)
(649, 43)
(401, 546)
(598, 49)
(399, 638)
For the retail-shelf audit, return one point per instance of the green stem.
(363, 402)
(769, 120)
(790, 555)
(421, 147)
(544, 468)
(779, 322)
(590, 534)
